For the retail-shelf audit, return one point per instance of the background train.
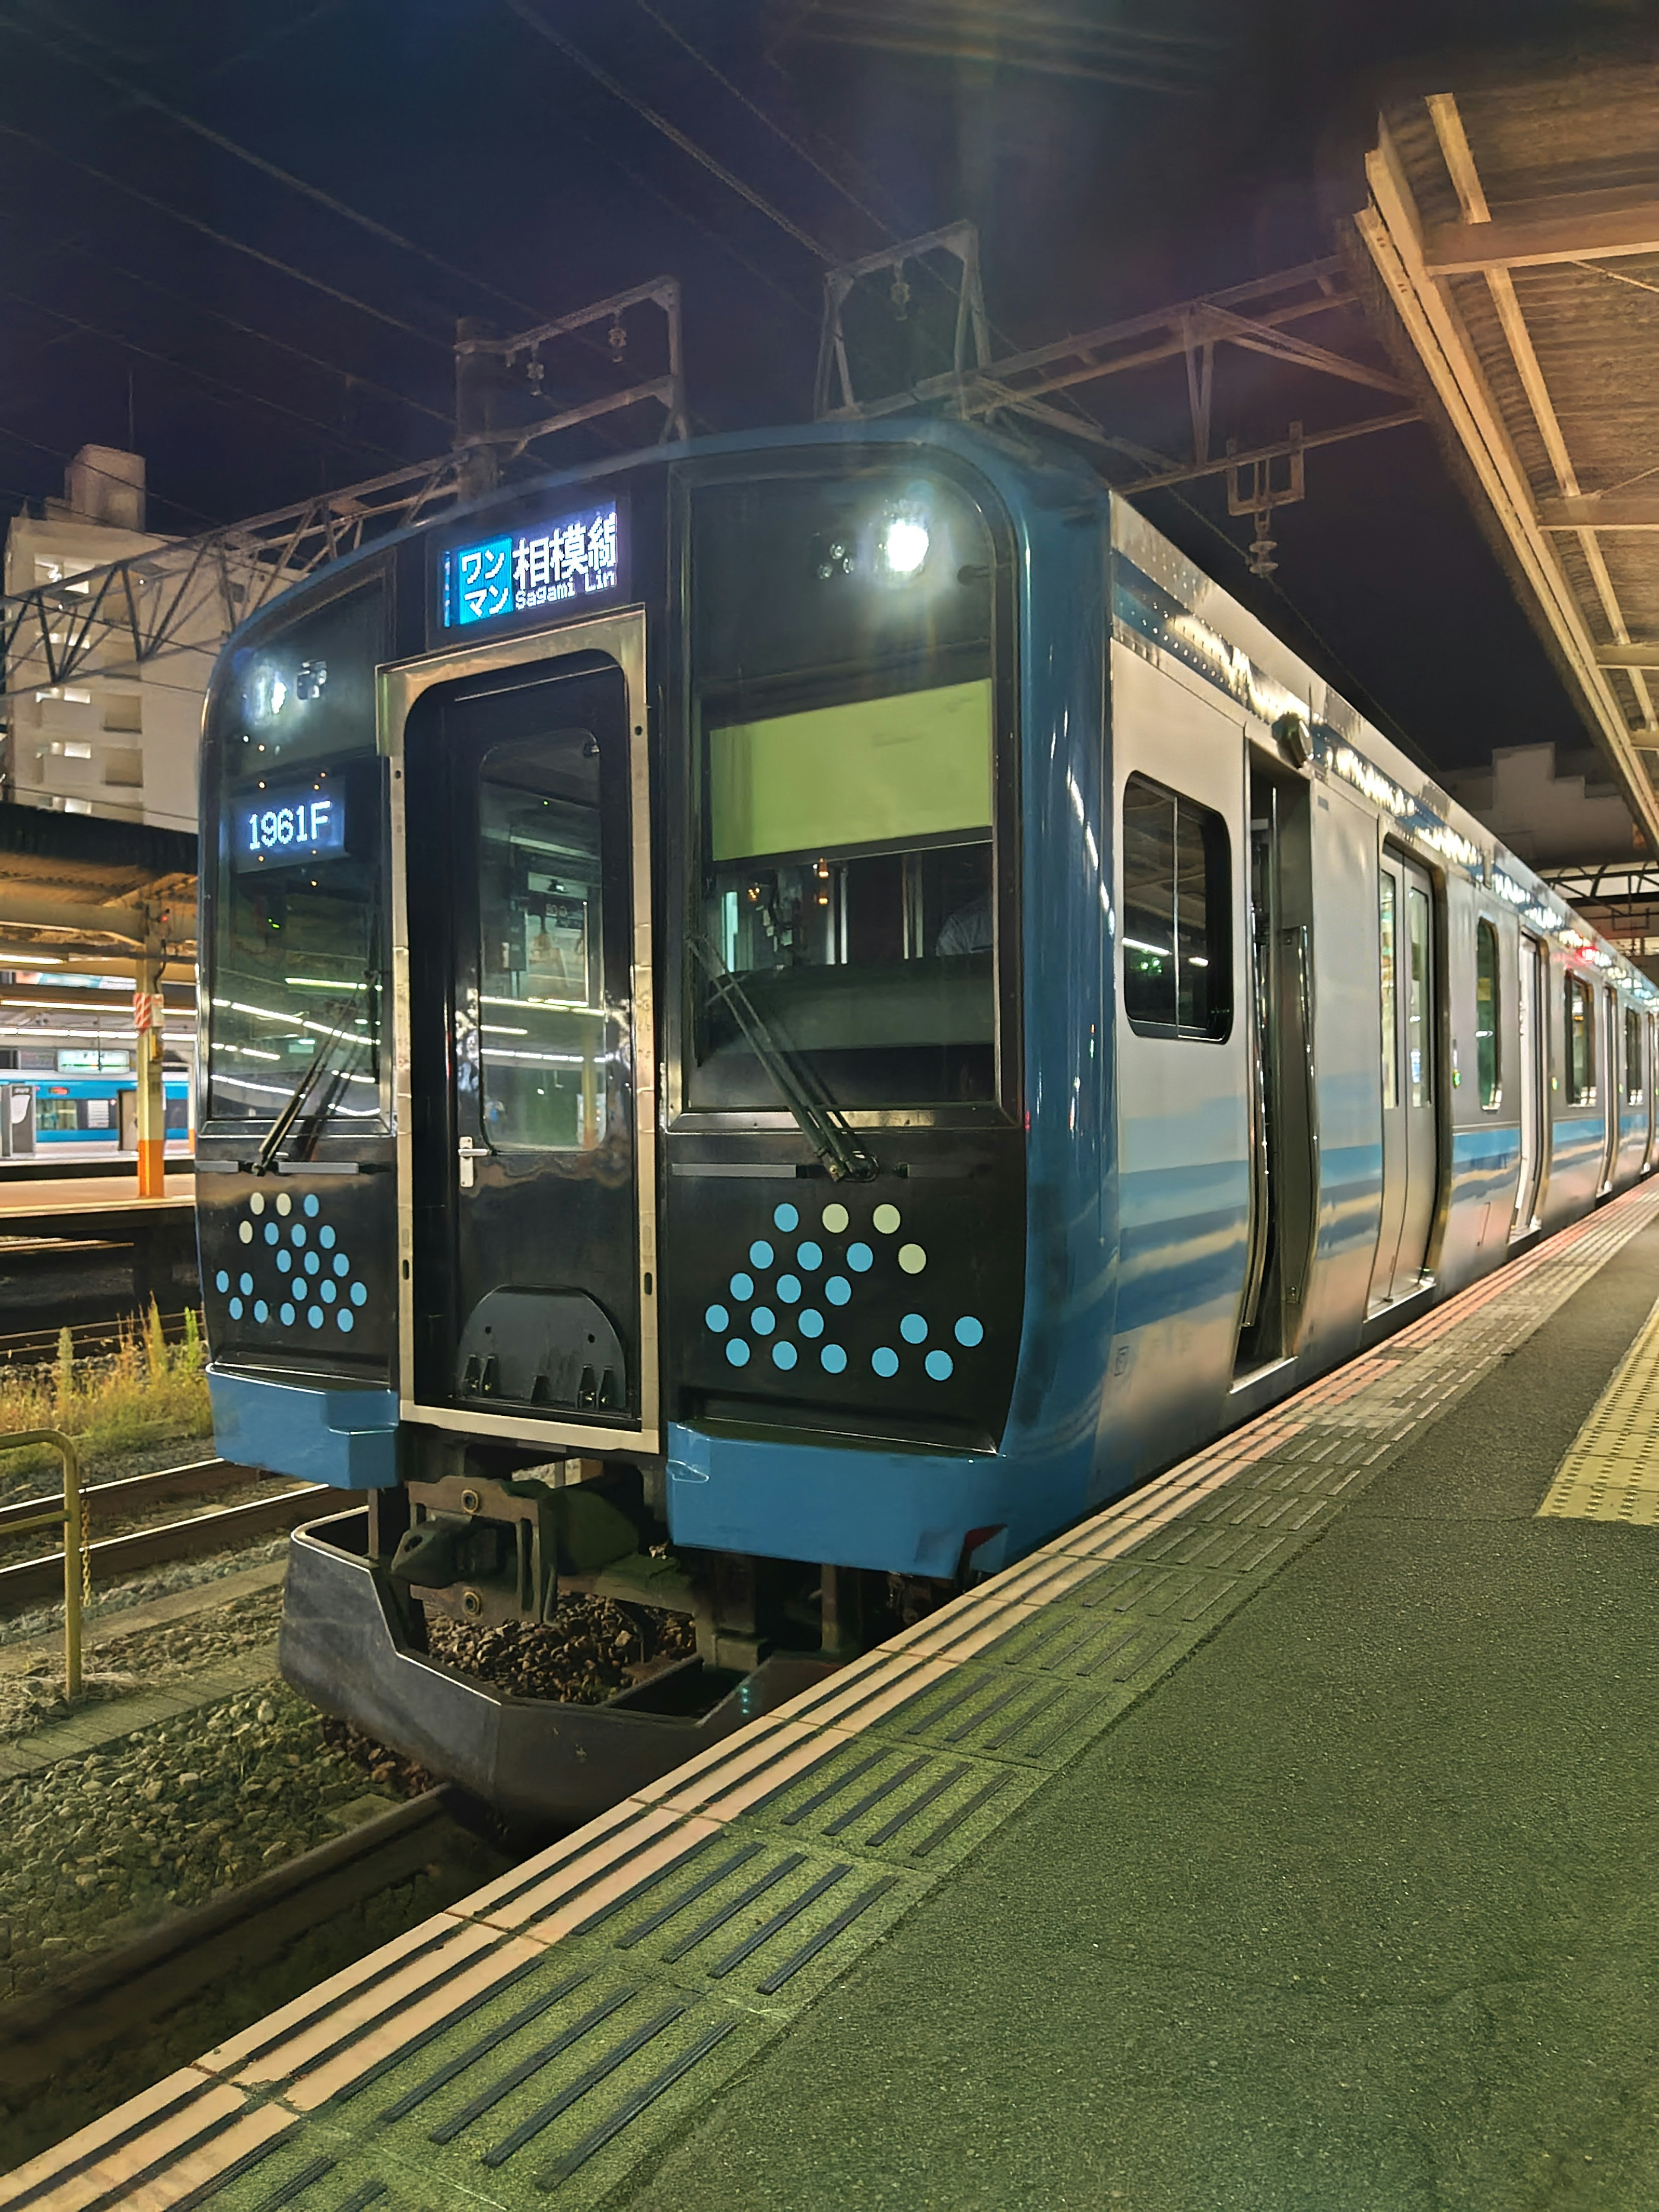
(58, 1113)
(784, 1017)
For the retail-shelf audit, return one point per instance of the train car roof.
(1202, 626)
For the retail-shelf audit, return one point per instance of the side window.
(1487, 1046)
(1581, 1042)
(1177, 944)
(1633, 1069)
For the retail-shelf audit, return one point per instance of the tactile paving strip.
(532, 2043)
(1611, 1472)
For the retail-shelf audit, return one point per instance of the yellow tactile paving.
(1611, 1471)
(796, 1841)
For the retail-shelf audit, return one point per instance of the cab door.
(527, 1145)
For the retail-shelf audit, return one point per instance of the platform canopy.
(79, 890)
(1513, 223)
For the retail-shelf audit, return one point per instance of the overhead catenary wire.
(767, 121)
(205, 376)
(756, 199)
(351, 376)
(221, 238)
(315, 193)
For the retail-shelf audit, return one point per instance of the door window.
(1633, 1069)
(1581, 1043)
(1178, 949)
(541, 951)
(1418, 1003)
(1390, 994)
(1487, 1046)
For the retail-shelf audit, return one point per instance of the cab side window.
(1176, 941)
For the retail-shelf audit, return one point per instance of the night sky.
(259, 336)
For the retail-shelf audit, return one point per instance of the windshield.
(295, 953)
(844, 699)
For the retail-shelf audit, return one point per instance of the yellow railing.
(77, 1554)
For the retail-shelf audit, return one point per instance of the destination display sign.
(293, 825)
(545, 564)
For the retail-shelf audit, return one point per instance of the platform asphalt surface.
(1357, 1911)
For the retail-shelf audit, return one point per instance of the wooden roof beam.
(1567, 227)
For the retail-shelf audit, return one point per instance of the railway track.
(113, 2004)
(27, 1582)
(95, 1340)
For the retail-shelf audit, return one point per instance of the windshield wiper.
(294, 1104)
(818, 1117)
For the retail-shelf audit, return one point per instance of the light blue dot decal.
(939, 1365)
(786, 1217)
(312, 1263)
(346, 1319)
(809, 1257)
(325, 1239)
(245, 1284)
(236, 1309)
(222, 1280)
(784, 1354)
(285, 1315)
(738, 1352)
(359, 1295)
(913, 1329)
(315, 1316)
(298, 1233)
(789, 1289)
(327, 1291)
(859, 1258)
(838, 1289)
(718, 1319)
(743, 1287)
(969, 1332)
(760, 1252)
(833, 1359)
(763, 1321)
(884, 1360)
(261, 1311)
(341, 1264)
(810, 1322)
(273, 1232)
(311, 1204)
(284, 1261)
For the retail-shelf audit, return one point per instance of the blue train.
(87, 1109)
(783, 1017)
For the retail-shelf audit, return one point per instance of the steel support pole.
(152, 1101)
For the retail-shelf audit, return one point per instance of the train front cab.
(655, 1154)
(899, 1013)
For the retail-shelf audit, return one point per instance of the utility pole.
(147, 1021)
(477, 380)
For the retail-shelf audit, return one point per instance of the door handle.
(465, 1150)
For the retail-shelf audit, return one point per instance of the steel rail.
(107, 2002)
(30, 1580)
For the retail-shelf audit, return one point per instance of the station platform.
(1280, 1839)
(78, 1204)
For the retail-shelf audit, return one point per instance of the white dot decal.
(245, 1231)
(256, 1203)
(284, 1203)
(912, 1259)
(834, 1219)
(886, 1218)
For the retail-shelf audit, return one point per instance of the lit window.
(1487, 1043)
(1581, 1043)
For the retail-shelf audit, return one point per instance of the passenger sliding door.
(1534, 1087)
(530, 1237)
(1411, 1142)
